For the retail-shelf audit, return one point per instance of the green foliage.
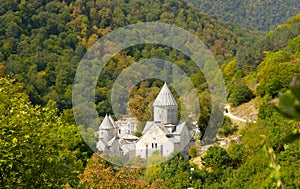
(229, 69)
(275, 73)
(252, 54)
(275, 174)
(279, 128)
(138, 134)
(193, 151)
(145, 94)
(205, 104)
(254, 164)
(136, 162)
(153, 170)
(227, 127)
(236, 153)
(279, 136)
(178, 173)
(240, 94)
(253, 173)
(174, 166)
(250, 140)
(289, 103)
(99, 174)
(180, 180)
(265, 109)
(42, 43)
(289, 161)
(38, 148)
(251, 14)
(289, 107)
(216, 158)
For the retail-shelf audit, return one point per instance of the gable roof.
(110, 143)
(165, 97)
(126, 120)
(147, 126)
(106, 123)
(180, 127)
(156, 130)
(128, 137)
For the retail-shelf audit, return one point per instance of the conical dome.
(106, 123)
(112, 121)
(165, 97)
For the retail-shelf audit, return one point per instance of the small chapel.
(164, 134)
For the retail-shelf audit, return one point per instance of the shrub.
(240, 94)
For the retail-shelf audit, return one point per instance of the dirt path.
(224, 142)
(231, 116)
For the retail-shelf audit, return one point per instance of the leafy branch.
(276, 168)
(289, 106)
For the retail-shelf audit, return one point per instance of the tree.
(216, 158)
(175, 165)
(205, 104)
(100, 174)
(236, 153)
(227, 127)
(154, 168)
(35, 147)
(240, 94)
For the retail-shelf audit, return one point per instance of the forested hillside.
(267, 65)
(264, 81)
(41, 44)
(252, 14)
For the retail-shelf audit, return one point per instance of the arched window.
(154, 145)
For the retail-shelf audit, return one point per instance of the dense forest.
(42, 43)
(251, 14)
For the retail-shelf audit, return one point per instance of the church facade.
(164, 134)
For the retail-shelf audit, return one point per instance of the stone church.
(165, 133)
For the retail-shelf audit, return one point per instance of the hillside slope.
(252, 14)
(43, 42)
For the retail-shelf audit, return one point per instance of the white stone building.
(164, 133)
(127, 125)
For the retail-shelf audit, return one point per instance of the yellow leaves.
(14, 140)
(50, 159)
(92, 39)
(280, 26)
(42, 74)
(229, 68)
(2, 70)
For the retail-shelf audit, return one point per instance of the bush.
(236, 153)
(227, 127)
(193, 151)
(216, 158)
(240, 94)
